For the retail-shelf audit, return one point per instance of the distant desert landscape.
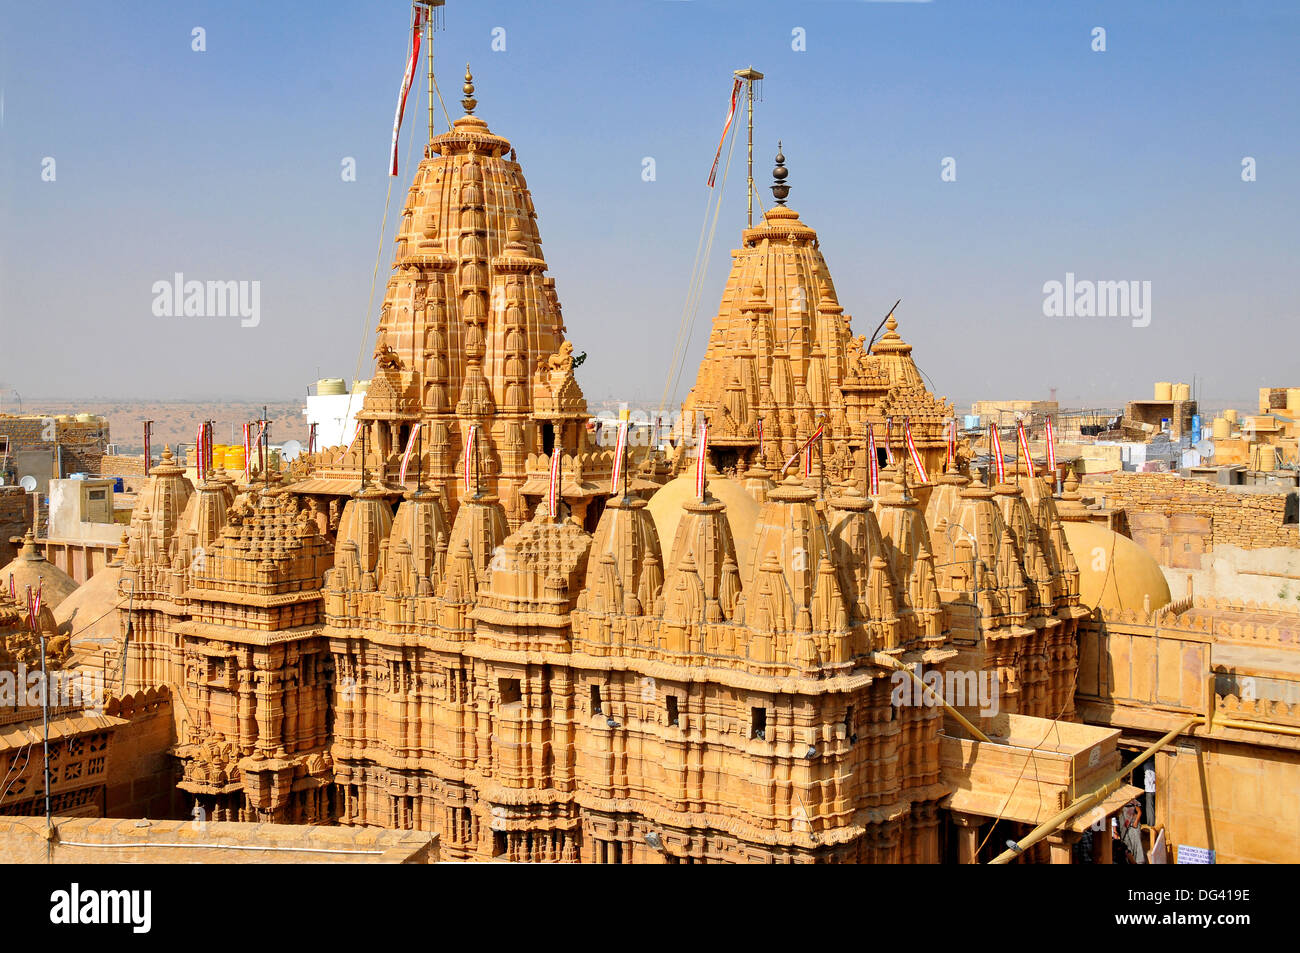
(177, 421)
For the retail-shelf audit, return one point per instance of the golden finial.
(469, 102)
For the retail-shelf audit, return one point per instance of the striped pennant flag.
(916, 457)
(889, 436)
(261, 445)
(806, 450)
(148, 434)
(407, 78)
(406, 457)
(731, 115)
(553, 490)
(34, 608)
(873, 463)
(995, 446)
(700, 460)
(1051, 448)
(619, 450)
(950, 459)
(311, 439)
(200, 453)
(248, 452)
(467, 463)
(1024, 448)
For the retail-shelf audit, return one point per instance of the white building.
(334, 411)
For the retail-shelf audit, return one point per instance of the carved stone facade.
(448, 655)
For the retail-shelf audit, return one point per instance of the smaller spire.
(779, 189)
(469, 102)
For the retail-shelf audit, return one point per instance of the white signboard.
(1195, 855)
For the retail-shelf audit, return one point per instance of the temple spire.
(469, 102)
(780, 190)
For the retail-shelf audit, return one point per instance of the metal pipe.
(1081, 804)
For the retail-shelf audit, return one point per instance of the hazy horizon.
(224, 165)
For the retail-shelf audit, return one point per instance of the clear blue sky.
(225, 164)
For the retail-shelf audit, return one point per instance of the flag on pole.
(311, 439)
(407, 79)
(889, 436)
(406, 457)
(1051, 448)
(553, 489)
(261, 445)
(726, 126)
(467, 464)
(806, 450)
(200, 454)
(873, 463)
(950, 459)
(1024, 448)
(34, 608)
(248, 452)
(995, 446)
(916, 457)
(619, 450)
(700, 460)
(148, 432)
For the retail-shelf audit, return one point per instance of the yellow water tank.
(1164, 390)
(1265, 456)
(1222, 428)
(1182, 392)
(235, 459)
(330, 386)
(1230, 415)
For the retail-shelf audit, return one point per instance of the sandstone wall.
(1236, 516)
(110, 840)
(141, 775)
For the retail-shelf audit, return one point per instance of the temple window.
(595, 699)
(672, 710)
(510, 691)
(758, 723)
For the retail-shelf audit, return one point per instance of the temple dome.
(1129, 576)
(665, 509)
(31, 568)
(87, 617)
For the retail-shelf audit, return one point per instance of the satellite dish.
(28, 483)
(1205, 448)
(290, 449)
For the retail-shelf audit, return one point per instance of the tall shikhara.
(470, 333)
(781, 353)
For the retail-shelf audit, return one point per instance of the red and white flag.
(467, 464)
(702, 455)
(950, 458)
(619, 450)
(148, 433)
(726, 126)
(1024, 448)
(553, 488)
(34, 608)
(248, 452)
(1051, 448)
(406, 457)
(200, 453)
(806, 450)
(873, 463)
(889, 436)
(407, 79)
(995, 447)
(311, 439)
(916, 457)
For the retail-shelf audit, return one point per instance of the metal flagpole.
(749, 75)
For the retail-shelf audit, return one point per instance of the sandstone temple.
(462, 624)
